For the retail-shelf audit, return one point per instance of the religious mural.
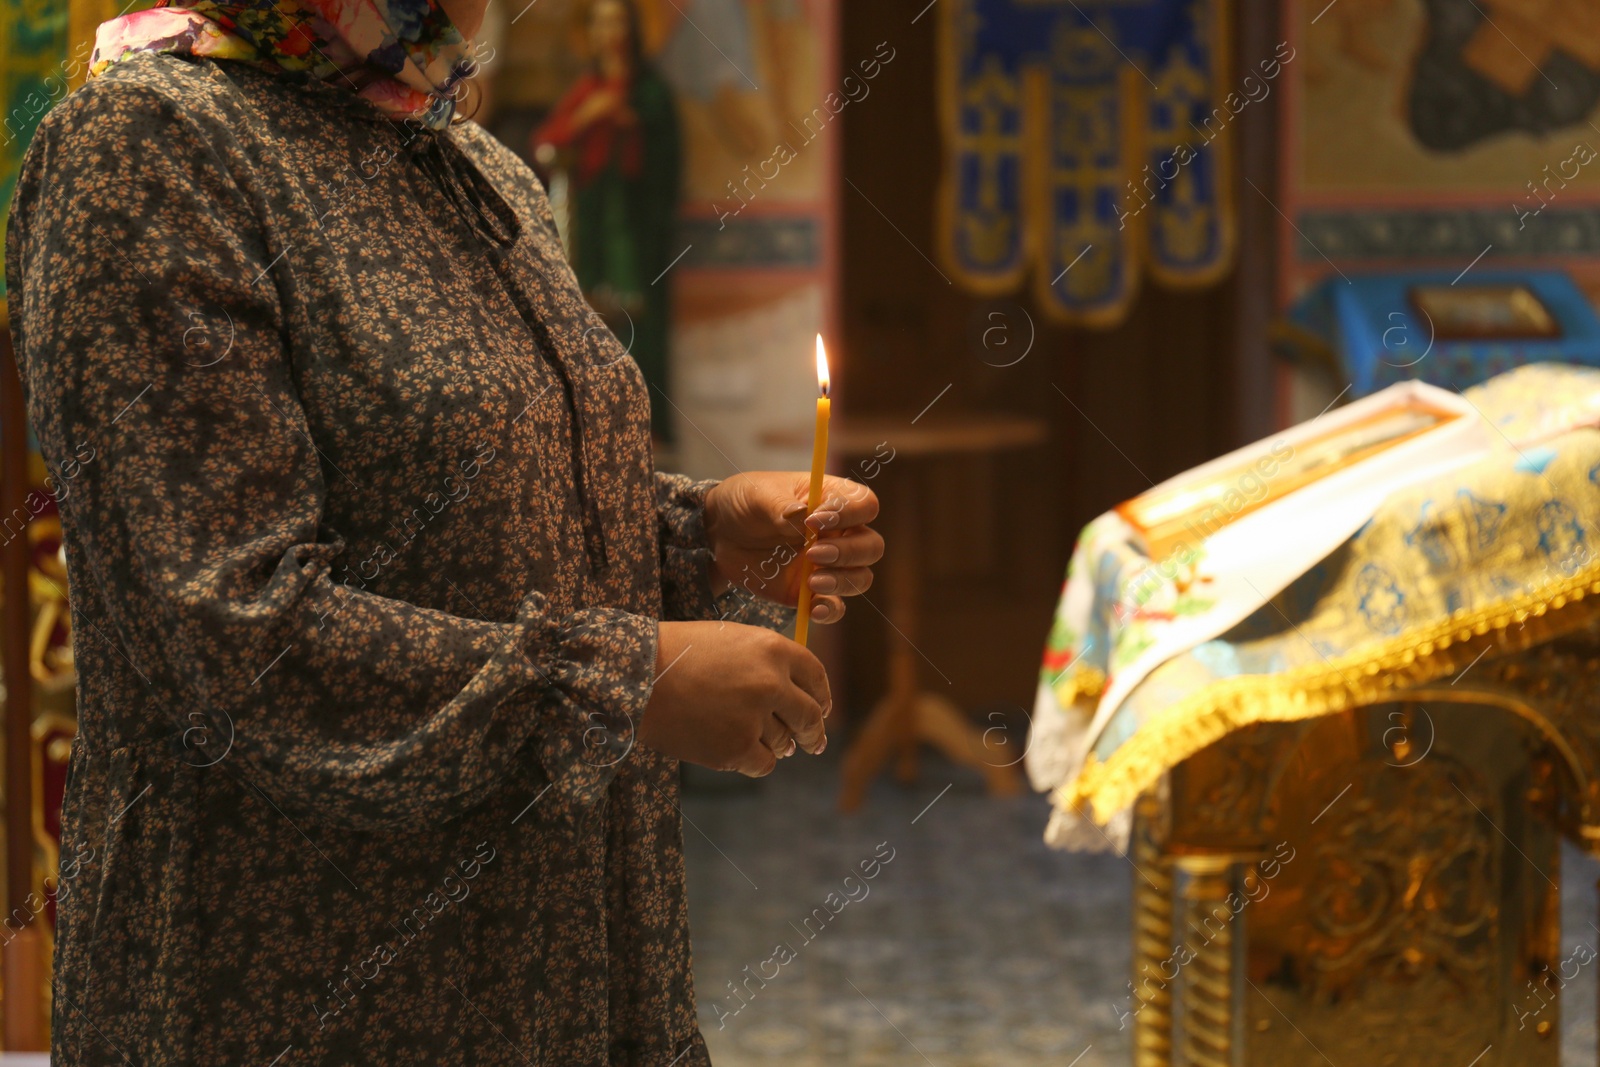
(45, 45)
(760, 119)
(694, 137)
(618, 125)
(1435, 132)
(33, 39)
(1086, 140)
(1483, 70)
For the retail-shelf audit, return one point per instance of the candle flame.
(822, 366)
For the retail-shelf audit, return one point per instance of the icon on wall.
(618, 125)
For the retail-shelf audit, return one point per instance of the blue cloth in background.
(1380, 336)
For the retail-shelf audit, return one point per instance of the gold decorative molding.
(1208, 996)
(1152, 940)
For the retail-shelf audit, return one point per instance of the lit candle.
(819, 463)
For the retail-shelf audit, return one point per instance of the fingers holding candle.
(846, 581)
(826, 608)
(844, 504)
(841, 566)
(842, 548)
(766, 542)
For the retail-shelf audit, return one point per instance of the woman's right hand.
(734, 697)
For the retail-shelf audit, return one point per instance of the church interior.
(1228, 374)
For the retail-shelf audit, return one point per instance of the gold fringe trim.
(1080, 681)
(1361, 678)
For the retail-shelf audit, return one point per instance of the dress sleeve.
(133, 251)
(685, 554)
(686, 562)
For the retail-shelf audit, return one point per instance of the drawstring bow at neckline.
(493, 221)
(473, 198)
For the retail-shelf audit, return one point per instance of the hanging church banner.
(1086, 140)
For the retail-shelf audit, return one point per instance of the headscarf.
(410, 52)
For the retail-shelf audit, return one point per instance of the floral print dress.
(366, 556)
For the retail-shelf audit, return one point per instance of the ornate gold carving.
(1226, 789)
(1152, 940)
(1421, 899)
(1424, 897)
(1208, 1000)
(1556, 687)
(1405, 880)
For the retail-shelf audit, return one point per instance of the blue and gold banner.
(1084, 138)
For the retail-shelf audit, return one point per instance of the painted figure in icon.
(619, 127)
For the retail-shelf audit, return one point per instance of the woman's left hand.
(756, 525)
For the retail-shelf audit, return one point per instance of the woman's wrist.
(714, 575)
(710, 515)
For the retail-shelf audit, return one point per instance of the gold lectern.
(1376, 886)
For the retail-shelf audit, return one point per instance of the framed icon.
(1484, 312)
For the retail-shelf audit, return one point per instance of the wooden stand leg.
(1208, 979)
(878, 740)
(942, 724)
(1152, 944)
(903, 689)
(908, 716)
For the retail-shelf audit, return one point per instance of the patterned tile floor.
(974, 946)
(1580, 910)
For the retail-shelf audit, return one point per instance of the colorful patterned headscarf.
(412, 54)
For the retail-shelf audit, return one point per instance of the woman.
(620, 121)
(379, 724)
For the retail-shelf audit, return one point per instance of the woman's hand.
(734, 698)
(756, 524)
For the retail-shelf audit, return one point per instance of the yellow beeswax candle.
(819, 464)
